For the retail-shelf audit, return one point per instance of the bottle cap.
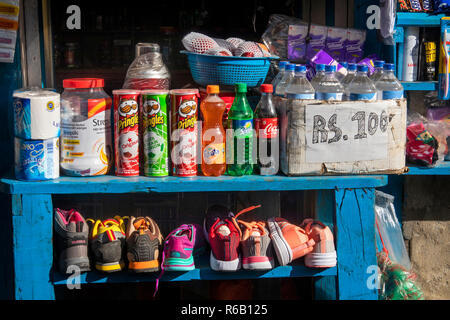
(83, 83)
(290, 67)
(282, 64)
(213, 89)
(331, 68)
(389, 67)
(352, 67)
(266, 88)
(241, 87)
(344, 64)
(378, 63)
(362, 68)
(300, 68)
(320, 67)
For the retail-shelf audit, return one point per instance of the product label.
(302, 96)
(86, 145)
(214, 153)
(392, 94)
(266, 128)
(240, 145)
(363, 96)
(329, 95)
(155, 122)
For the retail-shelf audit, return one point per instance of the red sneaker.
(224, 236)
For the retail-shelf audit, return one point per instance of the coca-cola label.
(266, 128)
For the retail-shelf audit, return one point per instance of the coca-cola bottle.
(266, 126)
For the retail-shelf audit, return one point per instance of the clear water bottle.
(388, 85)
(329, 88)
(351, 71)
(280, 74)
(320, 73)
(362, 88)
(300, 87)
(284, 82)
(378, 64)
(339, 75)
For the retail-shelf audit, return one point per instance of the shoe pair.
(311, 239)
(108, 239)
(234, 242)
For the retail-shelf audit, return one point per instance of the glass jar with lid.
(85, 128)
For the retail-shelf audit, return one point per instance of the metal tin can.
(184, 111)
(430, 60)
(126, 132)
(155, 125)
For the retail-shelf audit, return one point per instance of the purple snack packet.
(324, 58)
(438, 114)
(355, 45)
(368, 61)
(318, 38)
(336, 43)
(297, 42)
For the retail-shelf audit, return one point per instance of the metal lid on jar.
(84, 83)
(143, 48)
(183, 91)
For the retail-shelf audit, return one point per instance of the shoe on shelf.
(289, 241)
(212, 214)
(71, 240)
(107, 241)
(255, 243)
(324, 252)
(144, 244)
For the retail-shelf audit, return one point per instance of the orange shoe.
(324, 252)
(289, 241)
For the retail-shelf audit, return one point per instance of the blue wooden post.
(325, 287)
(33, 250)
(355, 242)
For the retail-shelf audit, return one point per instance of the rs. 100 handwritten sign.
(346, 132)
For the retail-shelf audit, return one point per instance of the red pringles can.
(184, 140)
(126, 132)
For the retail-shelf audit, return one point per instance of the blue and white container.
(36, 160)
(329, 88)
(361, 88)
(299, 88)
(388, 85)
(36, 114)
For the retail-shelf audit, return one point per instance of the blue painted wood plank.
(441, 169)
(112, 184)
(420, 85)
(325, 287)
(32, 222)
(420, 19)
(202, 272)
(355, 242)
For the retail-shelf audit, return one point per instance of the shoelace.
(233, 219)
(254, 225)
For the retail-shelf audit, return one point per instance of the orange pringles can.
(126, 132)
(184, 131)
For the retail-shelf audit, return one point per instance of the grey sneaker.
(71, 240)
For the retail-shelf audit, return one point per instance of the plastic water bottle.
(362, 88)
(339, 75)
(320, 73)
(351, 71)
(284, 82)
(378, 64)
(300, 87)
(388, 85)
(280, 74)
(329, 88)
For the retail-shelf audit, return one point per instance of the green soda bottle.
(241, 136)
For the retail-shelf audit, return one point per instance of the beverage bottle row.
(327, 84)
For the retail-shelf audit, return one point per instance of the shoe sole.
(143, 266)
(282, 249)
(82, 264)
(321, 260)
(267, 264)
(110, 267)
(227, 266)
(178, 264)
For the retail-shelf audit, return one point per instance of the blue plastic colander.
(220, 70)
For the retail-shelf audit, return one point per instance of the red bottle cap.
(267, 88)
(83, 83)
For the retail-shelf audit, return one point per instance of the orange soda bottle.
(213, 133)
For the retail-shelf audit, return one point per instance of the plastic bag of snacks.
(397, 281)
(418, 5)
(441, 6)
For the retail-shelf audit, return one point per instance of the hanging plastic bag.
(397, 281)
(387, 21)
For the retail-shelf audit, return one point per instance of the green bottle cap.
(241, 87)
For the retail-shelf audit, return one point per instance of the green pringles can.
(155, 124)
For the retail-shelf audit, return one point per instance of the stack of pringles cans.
(37, 120)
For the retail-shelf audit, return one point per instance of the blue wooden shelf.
(442, 169)
(420, 85)
(419, 19)
(202, 272)
(113, 184)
